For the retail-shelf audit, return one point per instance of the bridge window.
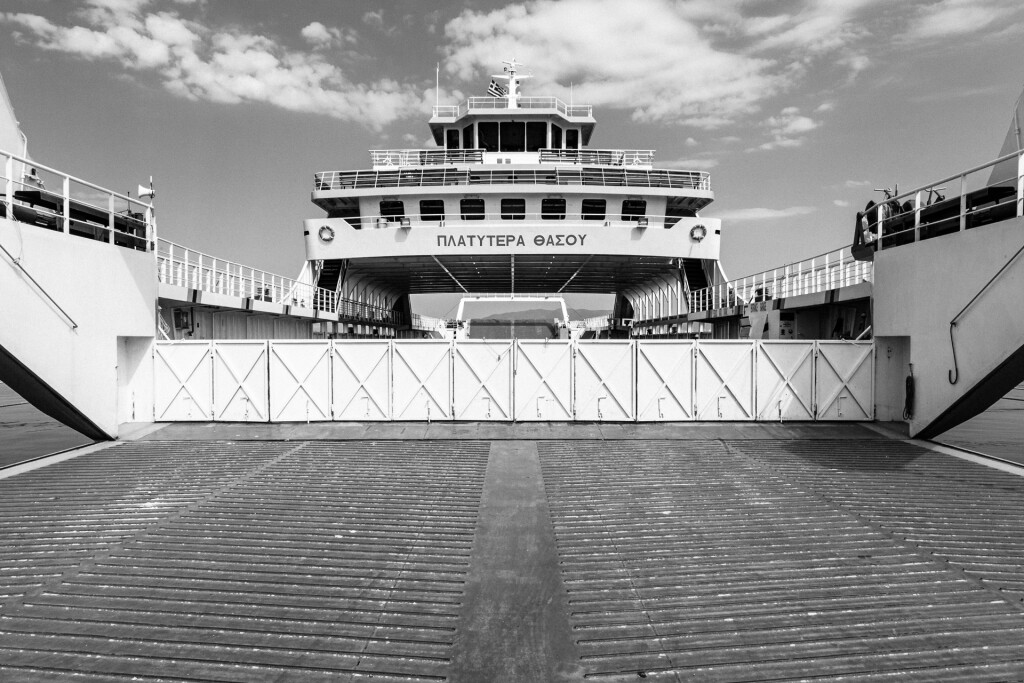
(593, 209)
(488, 131)
(513, 136)
(432, 209)
(536, 135)
(472, 209)
(556, 136)
(572, 138)
(452, 138)
(552, 208)
(467, 137)
(392, 209)
(513, 209)
(633, 209)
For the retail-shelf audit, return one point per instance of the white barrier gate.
(361, 380)
(785, 380)
(240, 384)
(301, 380)
(523, 380)
(664, 380)
(845, 380)
(604, 380)
(182, 382)
(543, 380)
(482, 380)
(421, 387)
(724, 380)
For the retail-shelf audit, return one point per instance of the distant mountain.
(543, 314)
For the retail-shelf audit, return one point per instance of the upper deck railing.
(485, 104)
(78, 208)
(446, 176)
(184, 267)
(441, 157)
(810, 276)
(929, 211)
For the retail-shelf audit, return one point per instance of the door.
(845, 380)
(361, 379)
(724, 380)
(785, 380)
(300, 381)
(543, 380)
(604, 379)
(182, 381)
(240, 384)
(664, 380)
(421, 381)
(483, 380)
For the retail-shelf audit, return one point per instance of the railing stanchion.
(963, 202)
(66, 191)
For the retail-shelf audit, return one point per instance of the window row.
(512, 208)
(512, 136)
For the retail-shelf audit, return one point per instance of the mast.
(512, 76)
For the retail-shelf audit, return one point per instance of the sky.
(797, 108)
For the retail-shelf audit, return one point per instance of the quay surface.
(482, 552)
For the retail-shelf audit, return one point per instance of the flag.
(495, 90)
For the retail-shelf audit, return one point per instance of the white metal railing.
(435, 157)
(79, 208)
(598, 322)
(427, 323)
(454, 111)
(613, 217)
(597, 176)
(425, 157)
(929, 211)
(602, 157)
(183, 267)
(818, 274)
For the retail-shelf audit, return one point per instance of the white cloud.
(763, 214)
(645, 56)
(960, 17)
(787, 129)
(856, 184)
(840, 202)
(226, 65)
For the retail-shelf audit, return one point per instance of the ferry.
(514, 205)
(301, 478)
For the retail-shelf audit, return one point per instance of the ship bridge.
(513, 199)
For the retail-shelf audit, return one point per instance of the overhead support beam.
(573, 276)
(454, 279)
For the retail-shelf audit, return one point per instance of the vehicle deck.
(477, 552)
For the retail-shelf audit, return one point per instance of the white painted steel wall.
(664, 380)
(482, 380)
(524, 380)
(543, 380)
(301, 377)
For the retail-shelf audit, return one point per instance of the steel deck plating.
(512, 553)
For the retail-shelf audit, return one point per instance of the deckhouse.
(513, 200)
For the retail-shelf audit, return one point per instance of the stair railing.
(954, 374)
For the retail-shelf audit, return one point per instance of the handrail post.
(9, 187)
(66, 189)
(917, 217)
(963, 202)
(1020, 183)
(110, 216)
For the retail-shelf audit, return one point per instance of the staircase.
(330, 273)
(696, 278)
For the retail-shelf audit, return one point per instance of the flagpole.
(437, 87)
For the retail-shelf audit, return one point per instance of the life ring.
(698, 232)
(326, 233)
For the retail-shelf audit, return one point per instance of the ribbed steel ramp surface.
(731, 559)
(238, 562)
(774, 560)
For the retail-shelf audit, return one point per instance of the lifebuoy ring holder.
(326, 233)
(698, 233)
